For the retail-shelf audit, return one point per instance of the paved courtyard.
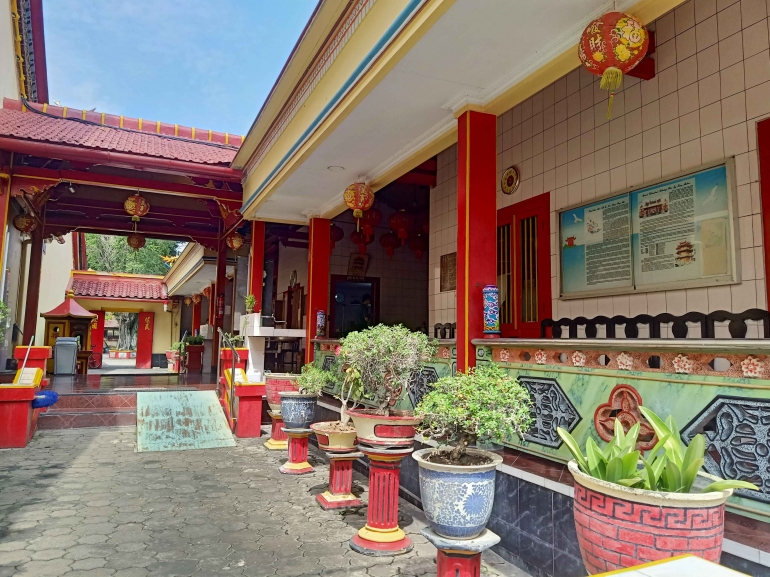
(82, 502)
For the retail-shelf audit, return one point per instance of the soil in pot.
(334, 427)
(467, 460)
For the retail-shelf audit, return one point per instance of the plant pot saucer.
(384, 451)
(289, 431)
(478, 544)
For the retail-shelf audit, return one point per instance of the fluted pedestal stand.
(460, 558)
(278, 440)
(338, 495)
(381, 536)
(297, 463)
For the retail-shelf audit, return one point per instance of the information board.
(674, 234)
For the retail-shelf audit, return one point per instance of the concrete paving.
(78, 503)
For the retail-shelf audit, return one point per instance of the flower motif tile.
(541, 357)
(625, 362)
(682, 364)
(752, 368)
(578, 359)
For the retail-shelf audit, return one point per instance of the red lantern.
(336, 234)
(207, 292)
(196, 298)
(25, 223)
(418, 245)
(371, 219)
(358, 198)
(390, 243)
(187, 301)
(401, 222)
(136, 241)
(235, 240)
(359, 238)
(611, 46)
(136, 206)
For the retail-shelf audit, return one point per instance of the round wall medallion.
(510, 181)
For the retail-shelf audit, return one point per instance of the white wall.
(56, 271)
(9, 82)
(443, 235)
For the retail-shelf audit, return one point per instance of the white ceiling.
(477, 48)
(202, 278)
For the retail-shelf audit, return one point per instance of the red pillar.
(97, 332)
(317, 278)
(218, 295)
(257, 262)
(196, 314)
(476, 219)
(33, 288)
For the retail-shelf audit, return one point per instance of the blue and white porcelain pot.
(457, 500)
(297, 409)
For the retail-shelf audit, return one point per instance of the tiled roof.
(157, 142)
(115, 286)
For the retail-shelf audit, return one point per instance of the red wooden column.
(476, 220)
(97, 332)
(196, 314)
(218, 296)
(317, 278)
(257, 262)
(33, 288)
(144, 339)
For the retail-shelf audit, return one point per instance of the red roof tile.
(34, 126)
(69, 308)
(107, 285)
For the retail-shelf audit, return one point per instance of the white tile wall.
(711, 87)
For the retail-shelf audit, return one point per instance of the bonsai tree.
(351, 390)
(483, 404)
(382, 359)
(249, 301)
(312, 380)
(670, 467)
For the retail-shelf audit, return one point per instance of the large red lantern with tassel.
(359, 238)
(401, 222)
(418, 245)
(25, 223)
(336, 234)
(235, 240)
(358, 198)
(136, 241)
(611, 46)
(136, 206)
(390, 243)
(370, 220)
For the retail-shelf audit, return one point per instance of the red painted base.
(278, 439)
(376, 549)
(298, 445)
(249, 425)
(18, 420)
(351, 501)
(458, 564)
(301, 471)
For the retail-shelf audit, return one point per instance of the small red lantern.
(187, 301)
(136, 206)
(390, 243)
(207, 292)
(370, 219)
(336, 234)
(196, 299)
(611, 46)
(358, 198)
(359, 238)
(235, 240)
(401, 222)
(25, 223)
(136, 241)
(418, 245)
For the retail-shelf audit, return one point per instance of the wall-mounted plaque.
(448, 279)
(357, 266)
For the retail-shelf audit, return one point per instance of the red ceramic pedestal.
(297, 463)
(18, 420)
(278, 440)
(338, 495)
(194, 358)
(460, 558)
(249, 419)
(381, 536)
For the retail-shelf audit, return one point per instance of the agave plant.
(670, 467)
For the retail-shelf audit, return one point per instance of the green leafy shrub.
(312, 380)
(382, 359)
(483, 404)
(178, 346)
(671, 466)
(249, 301)
(236, 340)
(194, 340)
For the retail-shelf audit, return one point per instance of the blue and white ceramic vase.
(320, 324)
(457, 500)
(491, 296)
(297, 409)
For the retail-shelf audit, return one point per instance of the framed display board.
(675, 233)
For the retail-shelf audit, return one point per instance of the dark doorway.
(354, 305)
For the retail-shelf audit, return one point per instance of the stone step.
(76, 401)
(58, 418)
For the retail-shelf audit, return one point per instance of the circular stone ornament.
(510, 180)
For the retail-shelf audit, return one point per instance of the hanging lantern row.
(336, 234)
(25, 223)
(358, 198)
(401, 222)
(390, 242)
(611, 46)
(359, 238)
(136, 241)
(235, 240)
(370, 219)
(187, 301)
(207, 292)
(136, 206)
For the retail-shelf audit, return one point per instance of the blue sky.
(203, 63)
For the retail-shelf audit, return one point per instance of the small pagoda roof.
(68, 309)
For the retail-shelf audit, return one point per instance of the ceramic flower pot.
(457, 500)
(334, 441)
(394, 430)
(620, 527)
(276, 383)
(297, 409)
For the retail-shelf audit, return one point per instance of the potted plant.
(457, 486)
(298, 407)
(631, 510)
(174, 356)
(249, 301)
(338, 436)
(194, 348)
(226, 354)
(382, 360)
